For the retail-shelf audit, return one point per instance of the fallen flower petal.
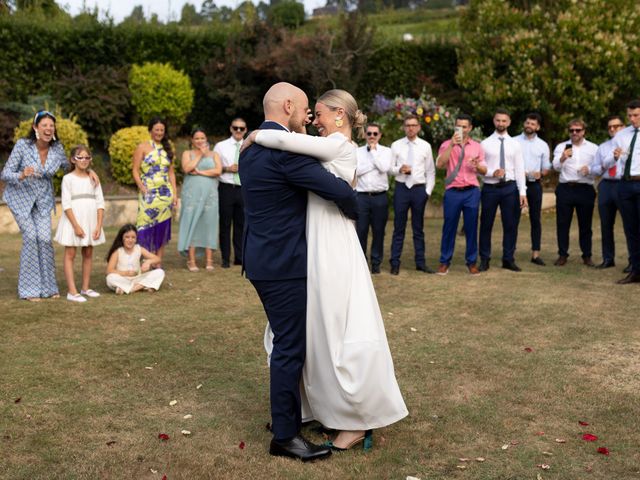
(173, 402)
(539, 433)
(164, 477)
(412, 478)
(241, 445)
(185, 432)
(480, 459)
(584, 424)
(539, 477)
(153, 471)
(560, 440)
(544, 466)
(514, 442)
(603, 450)
(199, 387)
(549, 454)
(589, 437)
(142, 320)
(461, 467)
(463, 459)
(187, 416)
(528, 349)
(505, 446)
(148, 368)
(163, 436)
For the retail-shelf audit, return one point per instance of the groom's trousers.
(285, 303)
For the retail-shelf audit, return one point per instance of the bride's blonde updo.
(337, 98)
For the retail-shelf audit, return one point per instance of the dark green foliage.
(99, 98)
(286, 13)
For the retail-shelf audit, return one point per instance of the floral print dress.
(154, 208)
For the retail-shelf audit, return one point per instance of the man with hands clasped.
(573, 160)
(504, 187)
(463, 159)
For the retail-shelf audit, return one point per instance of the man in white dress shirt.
(374, 161)
(504, 187)
(573, 159)
(608, 201)
(535, 152)
(627, 155)
(229, 196)
(412, 165)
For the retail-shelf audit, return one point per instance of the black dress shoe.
(300, 448)
(606, 264)
(484, 265)
(627, 269)
(225, 265)
(395, 269)
(510, 265)
(425, 269)
(631, 278)
(588, 262)
(538, 261)
(237, 262)
(375, 269)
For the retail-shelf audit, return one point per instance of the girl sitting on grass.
(125, 272)
(81, 222)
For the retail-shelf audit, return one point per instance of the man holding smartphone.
(573, 159)
(463, 159)
(374, 161)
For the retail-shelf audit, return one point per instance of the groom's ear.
(288, 107)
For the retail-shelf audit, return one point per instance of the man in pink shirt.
(464, 160)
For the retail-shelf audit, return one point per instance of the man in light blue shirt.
(608, 201)
(536, 165)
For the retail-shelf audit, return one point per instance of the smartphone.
(568, 146)
(458, 131)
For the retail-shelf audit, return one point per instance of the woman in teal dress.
(199, 201)
(153, 173)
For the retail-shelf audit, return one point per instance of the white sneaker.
(76, 298)
(90, 293)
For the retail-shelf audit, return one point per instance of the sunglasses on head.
(43, 113)
(238, 129)
(373, 134)
(575, 130)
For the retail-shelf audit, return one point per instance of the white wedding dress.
(348, 377)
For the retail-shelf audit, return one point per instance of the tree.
(136, 17)
(189, 16)
(578, 60)
(286, 13)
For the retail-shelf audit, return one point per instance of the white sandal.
(76, 298)
(90, 293)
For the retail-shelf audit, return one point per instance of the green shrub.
(159, 89)
(286, 13)
(68, 131)
(121, 147)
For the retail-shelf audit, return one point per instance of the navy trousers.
(458, 201)
(373, 211)
(581, 197)
(285, 303)
(534, 199)
(608, 205)
(231, 211)
(405, 199)
(506, 197)
(629, 194)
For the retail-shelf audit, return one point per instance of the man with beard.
(535, 152)
(573, 159)
(504, 187)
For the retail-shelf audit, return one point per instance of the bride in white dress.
(348, 378)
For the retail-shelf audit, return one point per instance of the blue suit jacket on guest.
(274, 189)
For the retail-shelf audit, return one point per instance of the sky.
(166, 9)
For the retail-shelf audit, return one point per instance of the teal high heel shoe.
(367, 443)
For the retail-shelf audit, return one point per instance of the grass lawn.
(85, 390)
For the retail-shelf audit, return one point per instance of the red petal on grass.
(164, 477)
(584, 424)
(588, 437)
(603, 450)
(241, 445)
(163, 436)
(539, 433)
(17, 400)
(528, 349)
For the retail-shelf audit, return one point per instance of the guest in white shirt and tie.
(573, 159)
(374, 161)
(504, 187)
(608, 201)
(627, 154)
(535, 152)
(412, 165)
(229, 196)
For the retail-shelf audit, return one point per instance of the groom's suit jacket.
(274, 189)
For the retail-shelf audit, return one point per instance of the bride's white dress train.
(348, 378)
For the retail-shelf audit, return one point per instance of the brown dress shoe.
(631, 278)
(443, 269)
(473, 269)
(561, 261)
(588, 262)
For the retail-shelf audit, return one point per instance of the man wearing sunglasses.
(374, 161)
(608, 201)
(229, 197)
(573, 159)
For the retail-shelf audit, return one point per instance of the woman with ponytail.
(153, 172)
(349, 384)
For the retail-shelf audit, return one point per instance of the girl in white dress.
(348, 377)
(125, 272)
(81, 221)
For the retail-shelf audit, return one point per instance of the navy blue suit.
(274, 188)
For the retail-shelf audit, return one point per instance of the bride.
(348, 377)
